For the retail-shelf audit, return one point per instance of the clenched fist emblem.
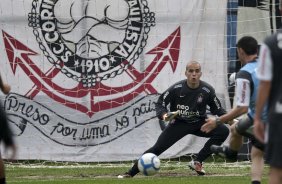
(91, 40)
(92, 28)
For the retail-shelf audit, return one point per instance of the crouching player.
(246, 92)
(190, 98)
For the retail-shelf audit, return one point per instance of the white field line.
(115, 165)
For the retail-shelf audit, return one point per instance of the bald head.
(195, 63)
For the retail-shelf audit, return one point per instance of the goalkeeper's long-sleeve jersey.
(192, 104)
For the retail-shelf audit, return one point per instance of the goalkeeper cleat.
(224, 152)
(125, 175)
(197, 166)
(171, 115)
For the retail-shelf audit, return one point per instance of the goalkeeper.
(184, 104)
(246, 92)
(5, 133)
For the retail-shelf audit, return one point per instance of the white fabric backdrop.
(58, 114)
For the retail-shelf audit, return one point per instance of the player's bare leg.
(257, 164)
(230, 152)
(236, 140)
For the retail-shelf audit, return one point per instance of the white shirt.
(264, 71)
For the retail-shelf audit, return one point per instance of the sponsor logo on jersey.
(184, 111)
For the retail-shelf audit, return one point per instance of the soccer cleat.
(125, 175)
(224, 152)
(197, 166)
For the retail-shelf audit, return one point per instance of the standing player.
(246, 92)
(5, 133)
(189, 98)
(270, 89)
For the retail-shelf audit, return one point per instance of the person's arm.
(213, 122)
(215, 104)
(262, 98)
(1, 83)
(264, 73)
(243, 95)
(5, 131)
(234, 113)
(216, 109)
(162, 103)
(5, 88)
(163, 109)
(6, 134)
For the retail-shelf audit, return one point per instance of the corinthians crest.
(90, 46)
(91, 41)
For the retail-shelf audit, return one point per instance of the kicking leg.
(236, 140)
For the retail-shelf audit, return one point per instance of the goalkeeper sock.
(231, 154)
(2, 180)
(134, 169)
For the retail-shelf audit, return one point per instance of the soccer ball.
(149, 164)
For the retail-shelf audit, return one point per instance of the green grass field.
(171, 172)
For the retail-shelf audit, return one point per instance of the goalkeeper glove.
(170, 115)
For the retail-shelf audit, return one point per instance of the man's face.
(193, 73)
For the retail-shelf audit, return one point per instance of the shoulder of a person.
(243, 74)
(271, 38)
(178, 84)
(246, 70)
(206, 86)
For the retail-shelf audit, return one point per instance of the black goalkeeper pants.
(177, 130)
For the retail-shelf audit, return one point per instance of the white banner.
(85, 75)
